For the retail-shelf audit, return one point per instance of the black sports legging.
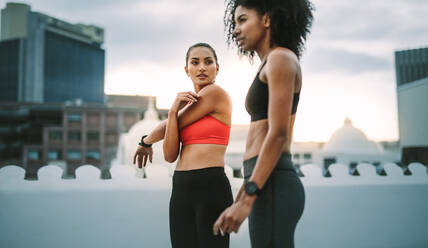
(278, 208)
(197, 200)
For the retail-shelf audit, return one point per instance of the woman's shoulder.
(281, 59)
(282, 56)
(219, 98)
(213, 90)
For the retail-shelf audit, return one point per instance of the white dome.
(150, 121)
(350, 140)
(128, 142)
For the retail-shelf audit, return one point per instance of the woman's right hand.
(182, 99)
(143, 153)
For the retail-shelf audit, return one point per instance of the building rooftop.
(14, 25)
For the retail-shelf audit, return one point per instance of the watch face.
(250, 188)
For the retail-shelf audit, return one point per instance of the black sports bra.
(257, 99)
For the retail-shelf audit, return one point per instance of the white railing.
(369, 210)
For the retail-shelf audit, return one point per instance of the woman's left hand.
(232, 217)
(182, 99)
(142, 154)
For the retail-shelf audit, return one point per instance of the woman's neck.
(264, 46)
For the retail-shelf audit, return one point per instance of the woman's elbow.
(170, 158)
(280, 135)
(169, 152)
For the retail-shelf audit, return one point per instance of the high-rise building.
(411, 65)
(47, 60)
(412, 99)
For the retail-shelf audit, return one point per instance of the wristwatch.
(144, 144)
(251, 188)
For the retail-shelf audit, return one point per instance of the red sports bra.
(207, 130)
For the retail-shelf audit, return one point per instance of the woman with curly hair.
(272, 195)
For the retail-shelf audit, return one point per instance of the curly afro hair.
(291, 21)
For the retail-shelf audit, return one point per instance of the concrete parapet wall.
(368, 210)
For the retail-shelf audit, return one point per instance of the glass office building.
(73, 69)
(9, 70)
(46, 60)
(411, 65)
(412, 102)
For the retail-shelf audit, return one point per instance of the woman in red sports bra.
(196, 133)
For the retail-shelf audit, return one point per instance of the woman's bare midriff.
(257, 134)
(198, 156)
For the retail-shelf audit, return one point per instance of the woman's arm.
(142, 154)
(171, 143)
(157, 134)
(212, 99)
(208, 101)
(238, 196)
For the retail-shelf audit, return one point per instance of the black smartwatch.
(144, 144)
(251, 188)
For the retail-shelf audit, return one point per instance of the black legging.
(197, 200)
(279, 206)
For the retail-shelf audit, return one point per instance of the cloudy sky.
(348, 65)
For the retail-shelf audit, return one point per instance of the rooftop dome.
(150, 121)
(128, 142)
(350, 140)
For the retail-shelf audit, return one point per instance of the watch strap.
(144, 144)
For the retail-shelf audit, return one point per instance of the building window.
(34, 155)
(307, 156)
(130, 119)
(296, 155)
(93, 119)
(93, 136)
(55, 135)
(74, 155)
(53, 155)
(111, 120)
(111, 138)
(16, 144)
(93, 155)
(74, 118)
(4, 129)
(74, 136)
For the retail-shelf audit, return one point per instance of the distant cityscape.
(52, 103)
(53, 109)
